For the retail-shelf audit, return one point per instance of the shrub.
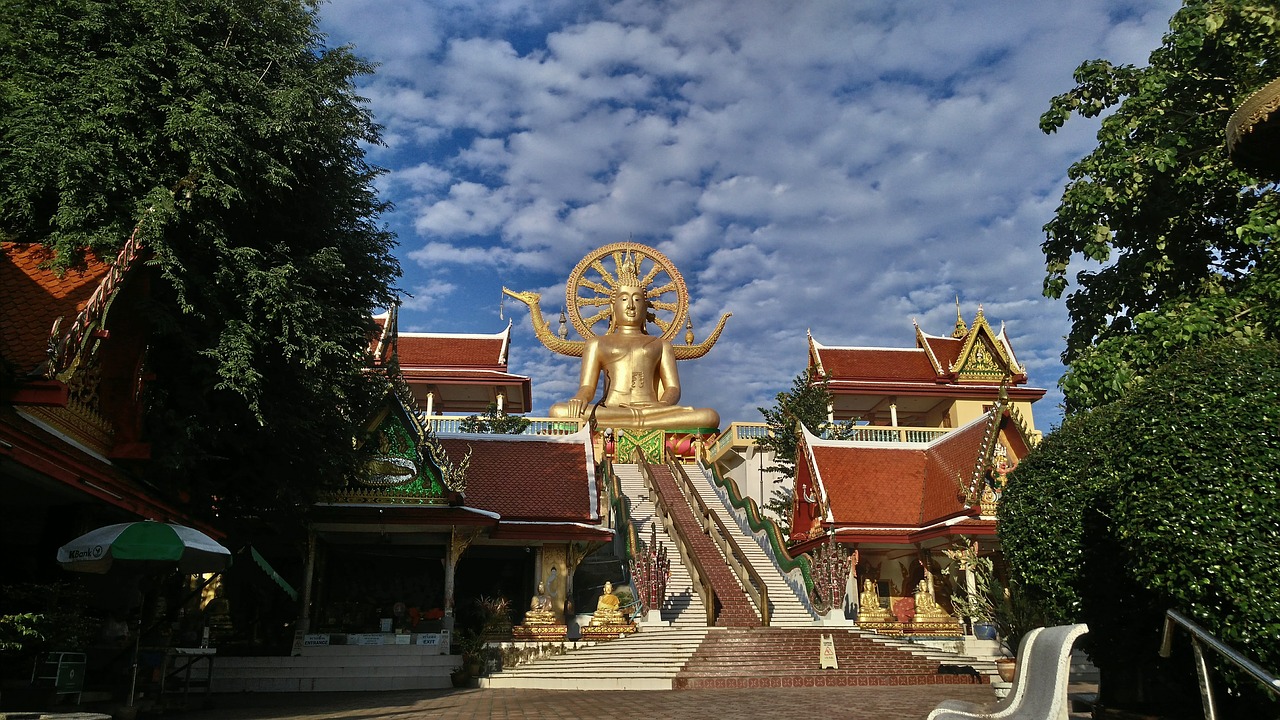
(1167, 498)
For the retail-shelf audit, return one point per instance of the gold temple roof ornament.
(1253, 131)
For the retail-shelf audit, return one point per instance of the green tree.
(495, 421)
(233, 139)
(806, 402)
(1170, 233)
(1167, 498)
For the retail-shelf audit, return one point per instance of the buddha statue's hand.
(573, 407)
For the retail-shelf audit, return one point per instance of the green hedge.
(1167, 498)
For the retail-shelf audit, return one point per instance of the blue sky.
(843, 168)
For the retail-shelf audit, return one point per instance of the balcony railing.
(739, 435)
(452, 425)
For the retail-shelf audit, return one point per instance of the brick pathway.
(878, 703)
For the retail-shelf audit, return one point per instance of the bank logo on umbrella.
(141, 542)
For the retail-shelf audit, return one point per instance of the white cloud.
(828, 165)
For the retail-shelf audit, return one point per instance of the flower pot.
(984, 631)
(1006, 667)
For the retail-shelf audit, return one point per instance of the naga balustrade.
(715, 528)
(650, 571)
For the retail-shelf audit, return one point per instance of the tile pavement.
(880, 703)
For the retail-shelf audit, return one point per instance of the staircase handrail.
(1200, 635)
(715, 528)
(758, 523)
(662, 512)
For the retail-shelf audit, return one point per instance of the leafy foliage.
(36, 617)
(1164, 499)
(806, 403)
(780, 506)
(233, 139)
(496, 422)
(1163, 221)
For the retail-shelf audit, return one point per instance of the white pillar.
(431, 401)
(893, 414)
(502, 401)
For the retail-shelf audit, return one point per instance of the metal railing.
(715, 528)
(663, 514)
(1199, 638)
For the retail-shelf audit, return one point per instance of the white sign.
(426, 639)
(364, 639)
(315, 639)
(827, 653)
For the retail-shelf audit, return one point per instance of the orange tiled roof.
(421, 350)
(32, 297)
(877, 364)
(877, 485)
(533, 478)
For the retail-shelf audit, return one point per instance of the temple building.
(72, 349)
(454, 373)
(943, 382)
(935, 429)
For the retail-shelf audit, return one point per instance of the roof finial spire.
(961, 328)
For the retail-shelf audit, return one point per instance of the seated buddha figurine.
(642, 386)
(541, 609)
(869, 609)
(607, 612)
(927, 606)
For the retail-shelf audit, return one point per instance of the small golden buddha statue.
(607, 612)
(643, 385)
(869, 609)
(541, 609)
(927, 607)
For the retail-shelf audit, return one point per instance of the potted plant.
(996, 609)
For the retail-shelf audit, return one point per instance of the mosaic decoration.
(399, 471)
(650, 443)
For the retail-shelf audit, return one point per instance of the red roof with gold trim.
(898, 492)
(536, 478)
(462, 373)
(32, 296)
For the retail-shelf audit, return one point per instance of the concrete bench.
(1039, 689)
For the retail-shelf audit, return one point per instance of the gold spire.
(628, 271)
(961, 329)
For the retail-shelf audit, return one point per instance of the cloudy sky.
(841, 167)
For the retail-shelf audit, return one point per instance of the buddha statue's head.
(630, 303)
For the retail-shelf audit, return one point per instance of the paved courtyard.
(881, 703)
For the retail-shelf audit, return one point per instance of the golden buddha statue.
(927, 607)
(869, 609)
(541, 609)
(607, 612)
(642, 386)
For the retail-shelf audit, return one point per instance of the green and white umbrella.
(145, 543)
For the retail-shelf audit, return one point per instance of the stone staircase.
(789, 657)
(648, 660)
(736, 608)
(687, 654)
(683, 607)
(786, 608)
